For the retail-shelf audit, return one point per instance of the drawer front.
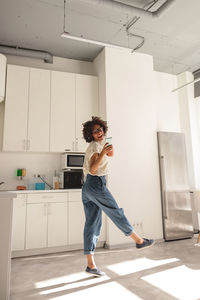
(75, 196)
(47, 197)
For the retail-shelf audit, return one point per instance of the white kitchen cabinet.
(47, 109)
(36, 226)
(27, 109)
(46, 224)
(39, 110)
(16, 108)
(87, 95)
(19, 222)
(62, 125)
(74, 99)
(49, 221)
(57, 224)
(76, 219)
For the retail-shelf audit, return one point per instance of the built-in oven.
(72, 179)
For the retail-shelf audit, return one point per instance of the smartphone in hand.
(109, 141)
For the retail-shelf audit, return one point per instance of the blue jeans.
(96, 197)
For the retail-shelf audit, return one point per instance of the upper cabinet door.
(39, 110)
(86, 105)
(62, 129)
(16, 108)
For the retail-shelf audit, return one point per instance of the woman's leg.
(90, 261)
(93, 221)
(107, 203)
(104, 199)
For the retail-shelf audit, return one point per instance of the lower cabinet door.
(57, 224)
(36, 226)
(76, 223)
(19, 222)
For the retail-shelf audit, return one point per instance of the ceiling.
(173, 38)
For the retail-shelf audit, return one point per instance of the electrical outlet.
(138, 226)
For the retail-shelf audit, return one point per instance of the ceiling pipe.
(18, 51)
(126, 8)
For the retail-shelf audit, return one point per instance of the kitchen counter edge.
(39, 191)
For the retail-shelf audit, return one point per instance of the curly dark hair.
(88, 127)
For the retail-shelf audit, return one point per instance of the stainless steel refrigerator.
(175, 190)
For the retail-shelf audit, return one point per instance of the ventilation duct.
(196, 84)
(128, 8)
(147, 5)
(18, 51)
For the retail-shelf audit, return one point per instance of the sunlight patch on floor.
(180, 282)
(70, 281)
(76, 284)
(140, 264)
(111, 290)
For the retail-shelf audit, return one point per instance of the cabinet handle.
(164, 189)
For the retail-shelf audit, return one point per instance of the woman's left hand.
(111, 152)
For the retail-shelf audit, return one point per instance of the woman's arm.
(97, 158)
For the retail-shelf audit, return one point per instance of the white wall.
(189, 125)
(35, 163)
(138, 104)
(99, 67)
(167, 105)
(196, 137)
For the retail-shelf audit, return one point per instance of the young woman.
(96, 196)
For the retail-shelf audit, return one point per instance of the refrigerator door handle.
(165, 206)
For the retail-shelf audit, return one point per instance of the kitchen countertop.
(38, 191)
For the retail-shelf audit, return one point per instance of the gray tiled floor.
(165, 271)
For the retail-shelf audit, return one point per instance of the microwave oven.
(72, 179)
(72, 160)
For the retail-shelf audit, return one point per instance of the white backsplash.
(35, 163)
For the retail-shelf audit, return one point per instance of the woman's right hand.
(106, 149)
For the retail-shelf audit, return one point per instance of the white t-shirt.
(95, 147)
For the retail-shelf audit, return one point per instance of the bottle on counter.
(19, 174)
(23, 172)
(56, 183)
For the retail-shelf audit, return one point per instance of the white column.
(189, 125)
(6, 207)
